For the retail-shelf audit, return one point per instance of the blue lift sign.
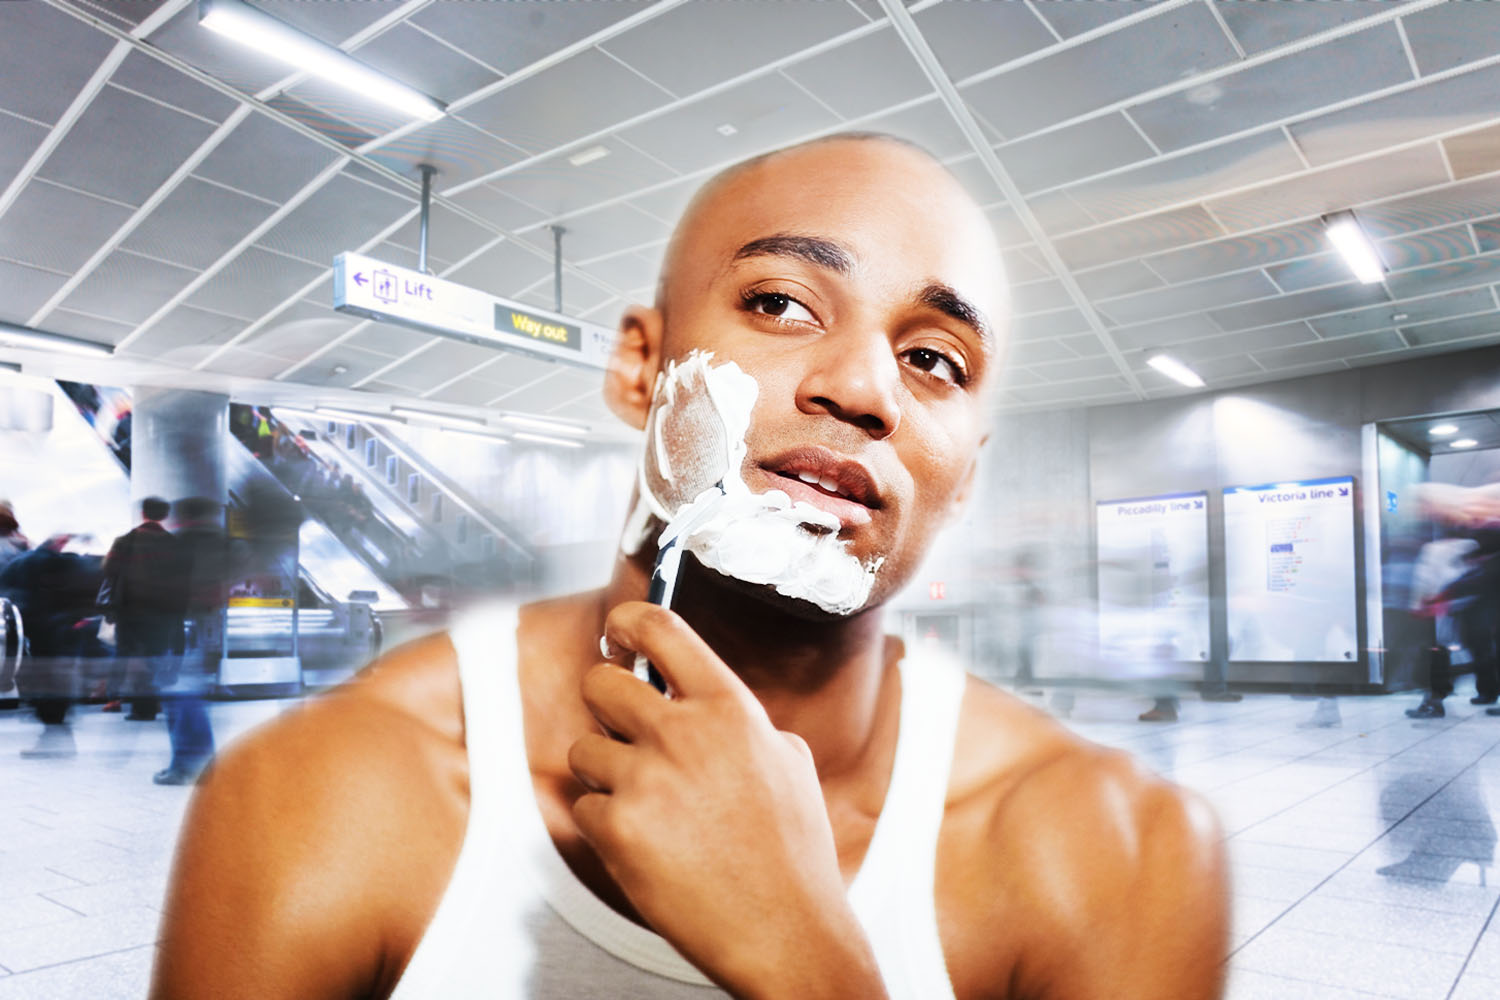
(374, 289)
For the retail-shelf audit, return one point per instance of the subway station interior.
(335, 285)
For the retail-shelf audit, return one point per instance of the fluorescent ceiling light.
(358, 417)
(1175, 370)
(1463, 443)
(242, 23)
(552, 426)
(444, 419)
(1443, 430)
(1354, 246)
(587, 156)
(543, 439)
(24, 336)
(489, 435)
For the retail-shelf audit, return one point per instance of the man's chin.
(766, 595)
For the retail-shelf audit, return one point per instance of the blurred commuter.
(53, 588)
(142, 598)
(12, 542)
(1438, 566)
(202, 568)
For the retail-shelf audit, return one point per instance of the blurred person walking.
(202, 574)
(140, 595)
(12, 542)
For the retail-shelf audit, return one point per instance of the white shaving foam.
(758, 538)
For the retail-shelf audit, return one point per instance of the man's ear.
(631, 378)
(961, 498)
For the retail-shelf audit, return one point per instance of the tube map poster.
(1289, 567)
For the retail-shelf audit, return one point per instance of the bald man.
(813, 813)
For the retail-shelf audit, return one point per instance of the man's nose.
(855, 377)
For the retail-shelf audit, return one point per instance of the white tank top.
(514, 921)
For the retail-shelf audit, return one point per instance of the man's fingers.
(691, 668)
(598, 761)
(621, 701)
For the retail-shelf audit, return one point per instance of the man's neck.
(821, 679)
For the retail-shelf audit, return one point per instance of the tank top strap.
(894, 892)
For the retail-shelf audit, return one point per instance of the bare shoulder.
(1096, 856)
(317, 834)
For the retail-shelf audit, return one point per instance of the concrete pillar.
(177, 444)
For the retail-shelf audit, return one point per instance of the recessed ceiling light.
(1463, 443)
(1354, 246)
(726, 129)
(239, 22)
(1399, 317)
(586, 156)
(1443, 430)
(1175, 370)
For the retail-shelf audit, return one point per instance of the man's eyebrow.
(814, 250)
(947, 301)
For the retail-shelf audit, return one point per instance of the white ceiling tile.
(1423, 249)
(185, 336)
(298, 331)
(497, 208)
(1453, 329)
(1333, 189)
(120, 15)
(1075, 368)
(1436, 107)
(1023, 265)
(249, 364)
(388, 339)
(1033, 352)
(1415, 311)
(1260, 26)
(46, 56)
(543, 111)
(1445, 277)
(266, 159)
(88, 327)
(18, 140)
(1041, 326)
(929, 125)
(55, 228)
(102, 154)
(450, 236)
(253, 283)
(1069, 17)
(154, 78)
(420, 61)
(506, 269)
(1058, 213)
(1169, 331)
(1239, 252)
(511, 36)
(1452, 34)
(601, 232)
(1328, 350)
(624, 271)
(340, 368)
(840, 78)
(1072, 152)
(1141, 56)
(1310, 272)
(459, 152)
(557, 187)
(1138, 237)
(1114, 280)
(197, 224)
(447, 360)
(1302, 81)
(1195, 296)
(1085, 345)
(128, 288)
(1039, 296)
(766, 113)
(1299, 305)
(1189, 177)
(1455, 203)
(969, 38)
(341, 215)
(1474, 152)
(1207, 349)
(1488, 235)
(23, 290)
(1083, 389)
(699, 44)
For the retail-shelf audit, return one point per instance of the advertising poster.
(1289, 566)
(1153, 582)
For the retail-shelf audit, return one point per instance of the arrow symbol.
(359, 279)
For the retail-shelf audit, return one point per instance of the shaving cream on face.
(695, 440)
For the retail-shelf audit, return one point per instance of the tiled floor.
(1361, 850)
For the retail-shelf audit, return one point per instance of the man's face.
(863, 291)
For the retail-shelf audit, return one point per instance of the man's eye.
(781, 306)
(937, 364)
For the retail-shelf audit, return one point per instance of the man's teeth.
(828, 484)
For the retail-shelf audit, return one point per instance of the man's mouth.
(828, 481)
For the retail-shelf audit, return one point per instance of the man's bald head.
(724, 183)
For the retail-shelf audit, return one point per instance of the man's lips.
(827, 480)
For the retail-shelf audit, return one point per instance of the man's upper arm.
(1161, 930)
(271, 892)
